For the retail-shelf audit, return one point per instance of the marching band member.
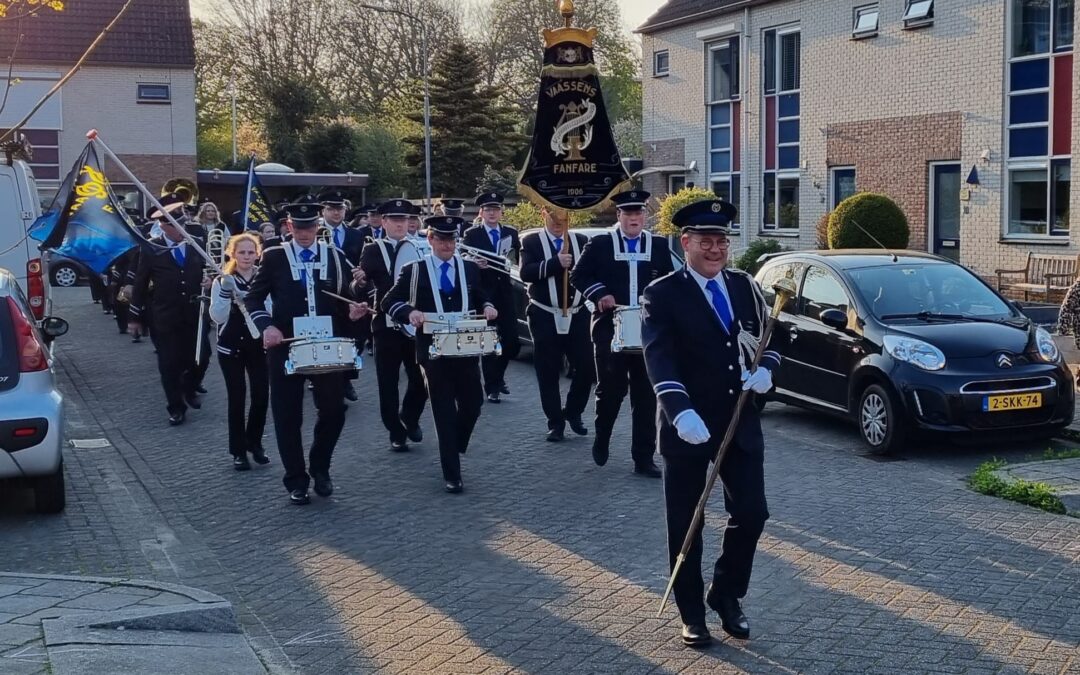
(373, 230)
(694, 322)
(292, 276)
(382, 262)
(453, 384)
(361, 216)
(612, 272)
(351, 243)
(241, 357)
(502, 241)
(267, 231)
(546, 256)
(176, 272)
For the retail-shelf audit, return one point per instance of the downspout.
(744, 113)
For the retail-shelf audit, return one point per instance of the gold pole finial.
(566, 8)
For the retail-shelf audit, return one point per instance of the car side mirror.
(834, 318)
(53, 327)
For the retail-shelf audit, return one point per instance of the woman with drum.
(242, 357)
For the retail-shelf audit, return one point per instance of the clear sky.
(634, 11)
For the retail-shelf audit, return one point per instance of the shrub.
(670, 204)
(748, 263)
(526, 216)
(1039, 495)
(823, 231)
(874, 213)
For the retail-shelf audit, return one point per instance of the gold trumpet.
(185, 188)
(494, 261)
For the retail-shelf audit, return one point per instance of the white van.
(20, 205)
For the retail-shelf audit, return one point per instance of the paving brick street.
(547, 563)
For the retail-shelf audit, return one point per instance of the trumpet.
(325, 235)
(494, 261)
(185, 188)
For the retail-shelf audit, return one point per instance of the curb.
(195, 594)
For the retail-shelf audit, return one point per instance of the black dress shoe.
(350, 392)
(416, 434)
(299, 497)
(493, 397)
(599, 452)
(123, 331)
(193, 401)
(399, 446)
(136, 339)
(731, 615)
(505, 389)
(200, 389)
(454, 486)
(576, 426)
(696, 635)
(241, 463)
(258, 454)
(648, 469)
(324, 487)
(555, 435)
(176, 419)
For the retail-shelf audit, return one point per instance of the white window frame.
(140, 98)
(779, 174)
(925, 17)
(735, 227)
(723, 176)
(657, 71)
(857, 14)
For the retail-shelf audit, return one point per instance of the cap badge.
(716, 208)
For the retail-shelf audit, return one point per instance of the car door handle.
(793, 333)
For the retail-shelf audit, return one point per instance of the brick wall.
(667, 152)
(153, 170)
(871, 147)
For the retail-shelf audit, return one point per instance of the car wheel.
(65, 276)
(49, 495)
(879, 420)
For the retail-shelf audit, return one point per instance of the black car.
(521, 299)
(66, 272)
(911, 343)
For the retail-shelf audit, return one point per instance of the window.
(45, 146)
(790, 270)
(842, 185)
(919, 13)
(1039, 133)
(676, 183)
(153, 93)
(661, 63)
(821, 291)
(866, 21)
(782, 122)
(722, 82)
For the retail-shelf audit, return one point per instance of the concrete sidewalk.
(1061, 474)
(66, 625)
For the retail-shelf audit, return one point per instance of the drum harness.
(562, 323)
(645, 255)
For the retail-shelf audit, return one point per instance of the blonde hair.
(230, 249)
(202, 210)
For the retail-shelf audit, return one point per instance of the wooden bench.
(1044, 275)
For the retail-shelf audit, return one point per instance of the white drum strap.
(643, 256)
(295, 266)
(459, 267)
(545, 244)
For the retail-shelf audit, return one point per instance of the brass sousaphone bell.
(185, 188)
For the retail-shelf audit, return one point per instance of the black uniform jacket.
(352, 244)
(535, 271)
(176, 291)
(274, 279)
(379, 279)
(498, 285)
(397, 303)
(693, 363)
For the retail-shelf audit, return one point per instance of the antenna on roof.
(875, 239)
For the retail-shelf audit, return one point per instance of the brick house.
(960, 110)
(137, 89)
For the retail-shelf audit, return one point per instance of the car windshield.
(926, 291)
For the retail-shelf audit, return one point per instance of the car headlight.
(916, 352)
(1048, 351)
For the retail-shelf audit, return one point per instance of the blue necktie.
(445, 285)
(495, 240)
(377, 233)
(631, 245)
(305, 255)
(558, 244)
(339, 235)
(719, 303)
(178, 254)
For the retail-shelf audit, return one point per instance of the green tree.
(291, 109)
(868, 220)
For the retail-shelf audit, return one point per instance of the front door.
(945, 210)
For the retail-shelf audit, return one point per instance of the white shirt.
(719, 278)
(489, 230)
(339, 235)
(298, 248)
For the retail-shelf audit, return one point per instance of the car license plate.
(1011, 402)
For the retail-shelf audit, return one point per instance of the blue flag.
(256, 206)
(85, 221)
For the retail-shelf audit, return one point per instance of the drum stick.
(342, 298)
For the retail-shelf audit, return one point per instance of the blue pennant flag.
(256, 206)
(85, 221)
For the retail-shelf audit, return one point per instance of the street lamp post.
(232, 95)
(427, 90)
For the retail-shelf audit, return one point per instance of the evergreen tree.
(470, 129)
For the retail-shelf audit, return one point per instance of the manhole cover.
(90, 443)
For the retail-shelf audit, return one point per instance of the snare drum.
(316, 356)
(627, 330)
(466, 337)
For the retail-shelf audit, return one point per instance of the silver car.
(31, 408)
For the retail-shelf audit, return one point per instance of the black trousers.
(175, 345)
(453, 386)
(204, 353)
(287, 404)
(393, 349)
(743, 478)
(617, 373)
(247, 365)
(120, 309)
(494, 367)
(549, 350)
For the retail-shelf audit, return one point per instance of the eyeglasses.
(710, 244)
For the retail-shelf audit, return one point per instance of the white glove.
(760, 381)
(228, 284)
(691, 427)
